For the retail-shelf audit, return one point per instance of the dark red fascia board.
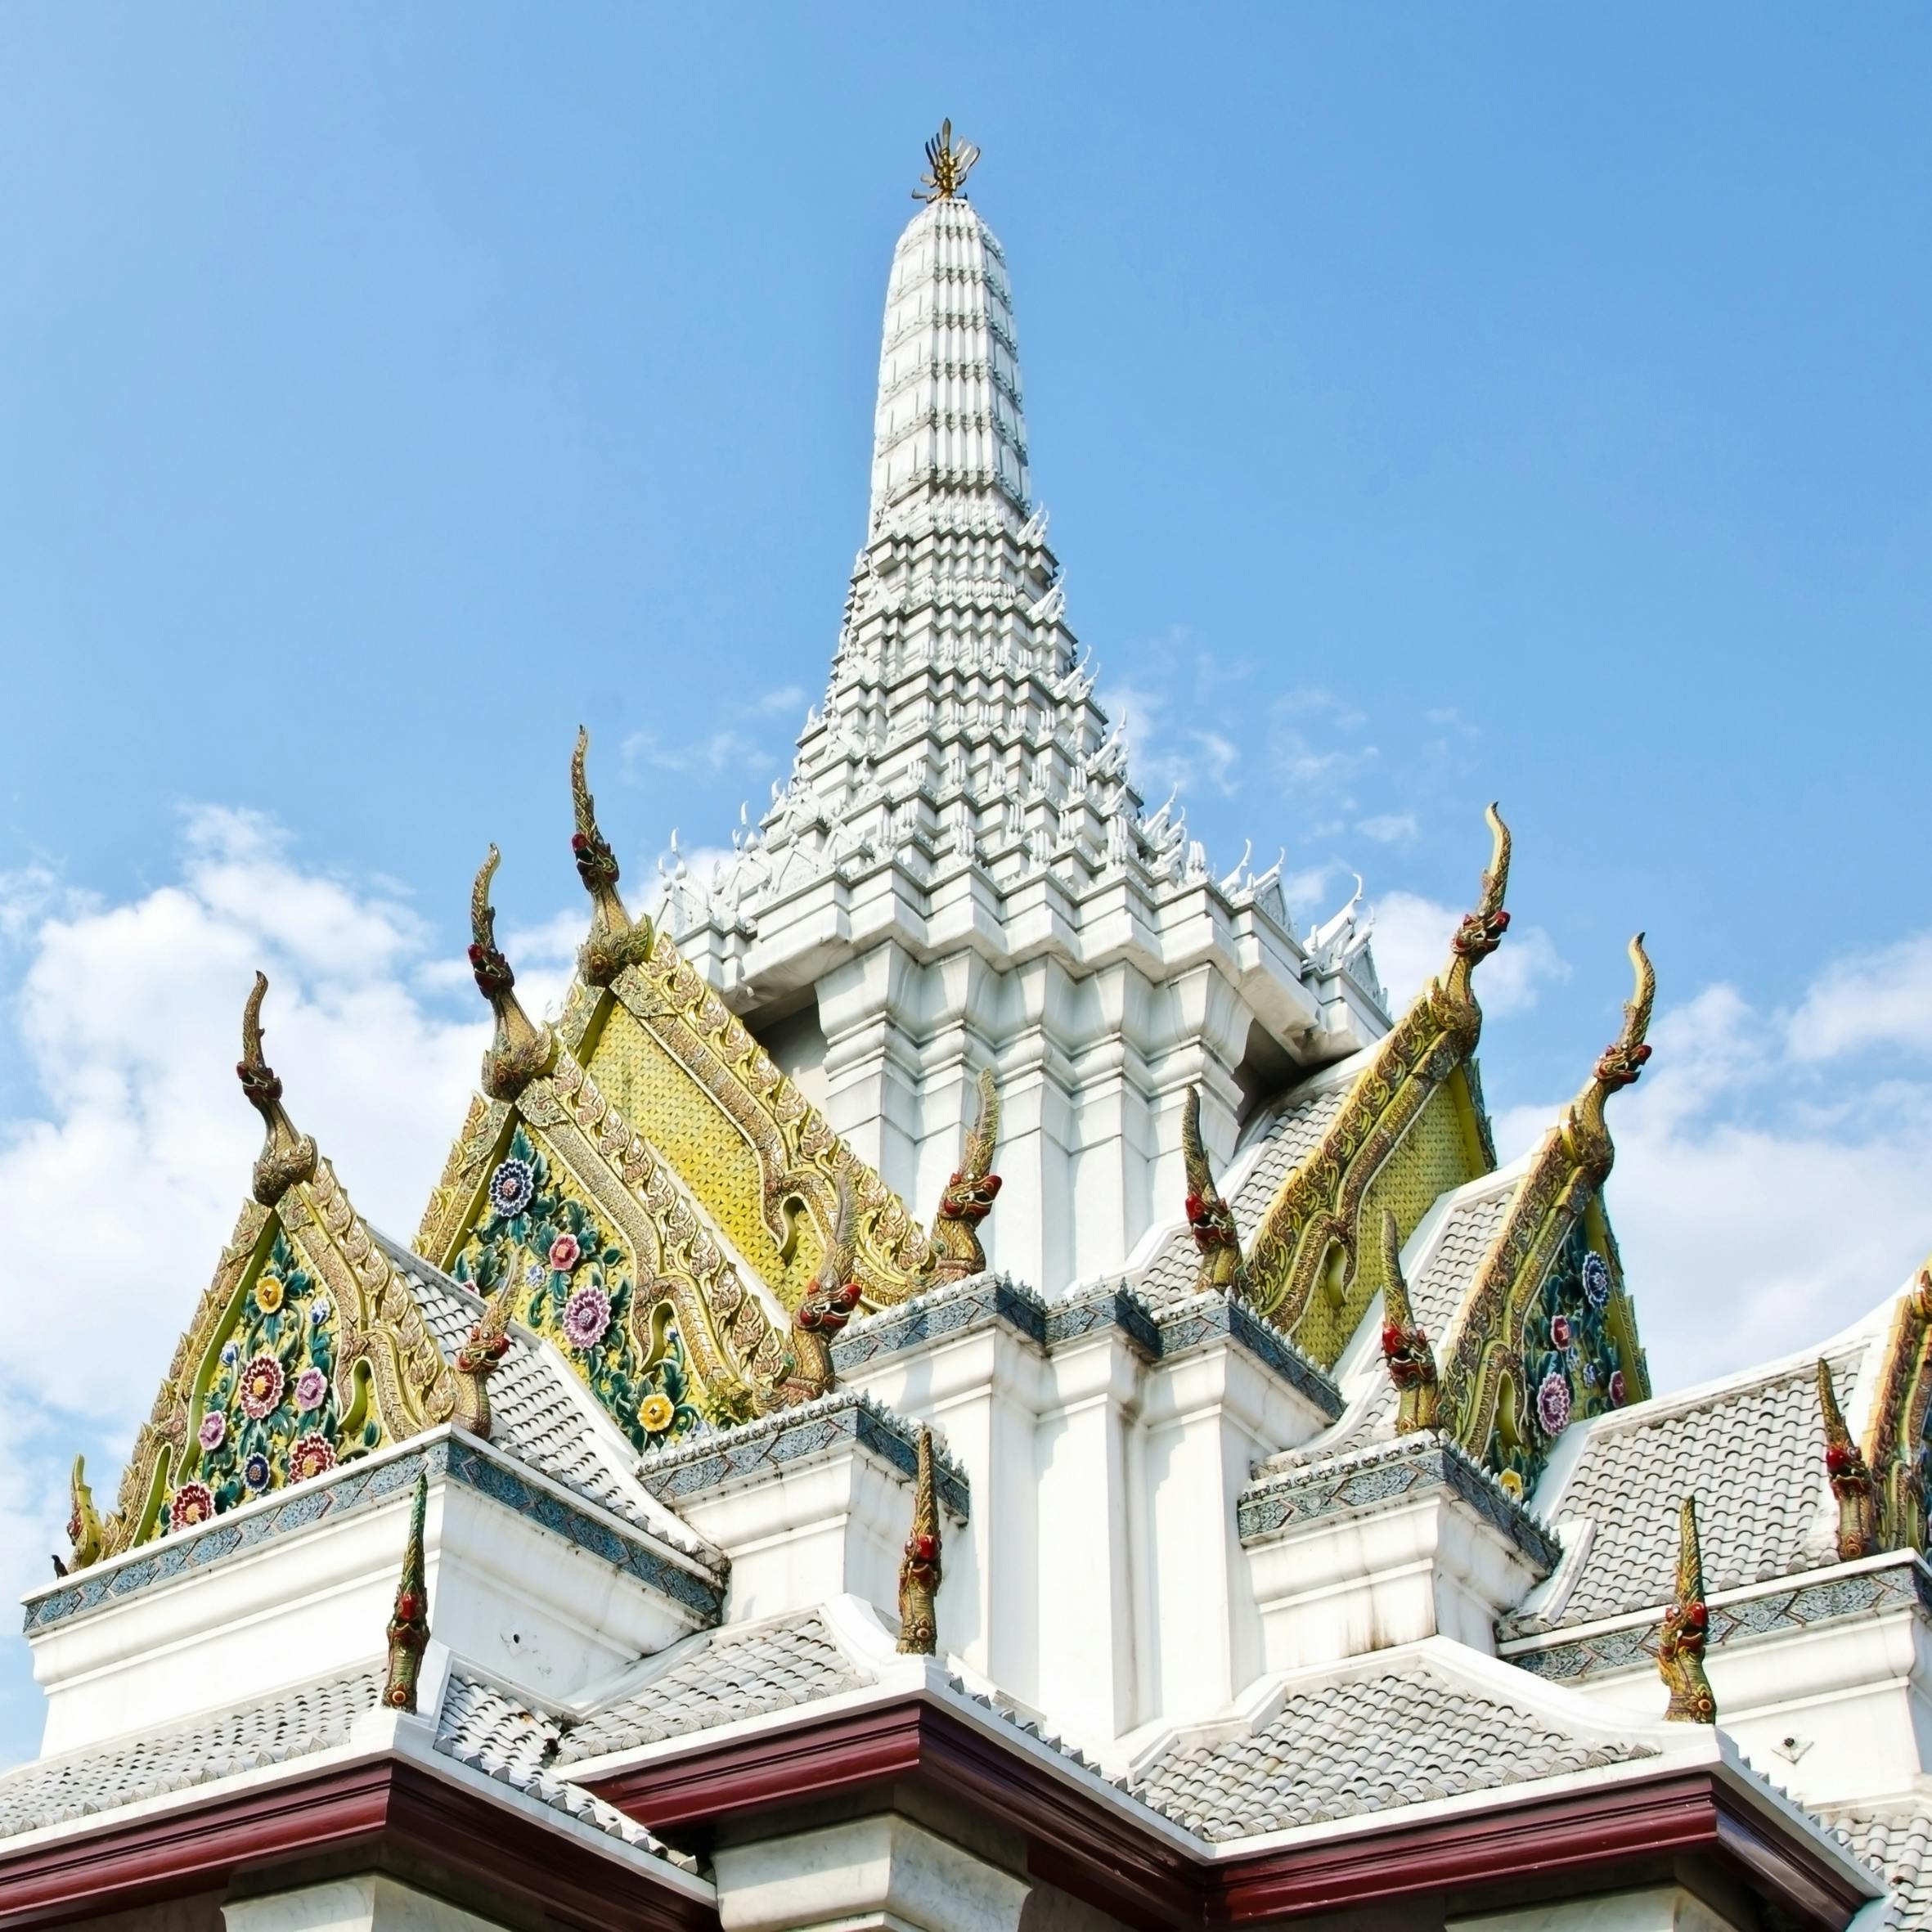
(1627, 1831)
(386, 1814)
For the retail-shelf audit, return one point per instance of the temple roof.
(1411, 1727)
(1750, 1448)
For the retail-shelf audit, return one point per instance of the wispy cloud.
(1770, 1183)
(1165, 758)
(1412, 943)
(1391, 828)
(730, 744)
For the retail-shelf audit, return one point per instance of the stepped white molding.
(960, 870)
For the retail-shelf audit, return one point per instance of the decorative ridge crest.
(1308, 1238)
(1404, 1344)
(1209, 1216)
(968, 1198)
(826, 1305)
(409, 1622)
(519, 1052)
(1687, 1629)
(919, 1565)
(1617, 1066)
(947, 165)
(286, 1157)
(1901, 1418)
(615, 940)
(1849, 1474)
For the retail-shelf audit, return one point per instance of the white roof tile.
(1353, 1744)
(1897, 1843)
(716, 1677)
(291, 1724)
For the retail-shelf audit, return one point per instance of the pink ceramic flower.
(586, 1314)
(1552, 1403)
(565, 1253)
(311, 1386)
(1559, 1331)
(213, 1432)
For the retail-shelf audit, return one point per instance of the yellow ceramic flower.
(655, 1411)
(1512, 1484)
(268, 1293)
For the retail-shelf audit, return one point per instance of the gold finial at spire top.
(286, 1157)
(946, 166)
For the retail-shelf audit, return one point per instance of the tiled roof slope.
(1358, 1744)
(537, 1416)
(1292, 1133)
(1752, 1452)
(1897, 1842)
(219, 1743)
(503, 1738)
(716, 1678)
(1441, 1285)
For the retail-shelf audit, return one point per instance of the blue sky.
(1432, 404)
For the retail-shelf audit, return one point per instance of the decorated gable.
(1548, 1335)
(550, 1199)
(1411, 1129)
(307, 1350)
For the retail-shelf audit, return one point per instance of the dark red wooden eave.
(1624, 1832)
(387, 1814)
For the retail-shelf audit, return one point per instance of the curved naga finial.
(1849, 1475)
(615, 940)
(919, 1565)
(1687, 1629)
(1404, 1345)
(409, 1622)
(1584, 1134)
(477, 1359)
(946, 166)
(826, 1304)
(967, 1198)
(85, 1530)
(1480, 932)
(519, 1051)
(1209, 1216)
(286, 1157)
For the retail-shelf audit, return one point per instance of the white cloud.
(721, 749)
(1770, 1186)
(124, 1180)
(1871, 999)
(1391, 828)
(1162, 761)
(1412, 943)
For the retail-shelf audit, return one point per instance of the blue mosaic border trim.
(357, 1489)
(1048, 1325)
(977, 1303)
(501, 1483)
(1355, 1487)
(815, 1429)
(1635, 1645)
(1220, 1317)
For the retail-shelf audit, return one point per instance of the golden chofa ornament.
(946, 166)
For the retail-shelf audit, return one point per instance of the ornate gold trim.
(1687, 1629)
(968, 1198)
(920, 1566)
(1404, 1344)
(1309, 1236)
(1899, 1414)
(1567, 1169)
